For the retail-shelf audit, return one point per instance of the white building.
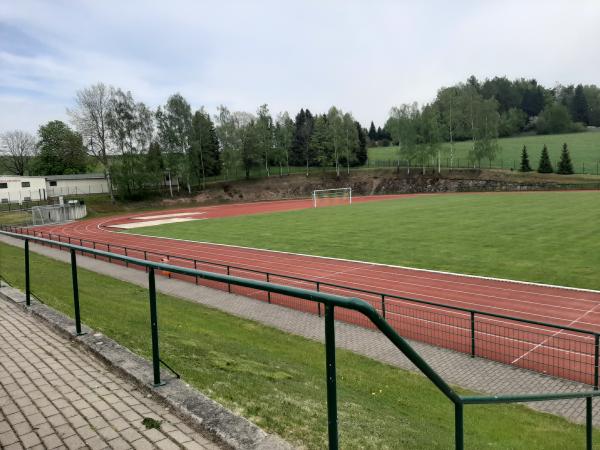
(79, 184)
(16, 189)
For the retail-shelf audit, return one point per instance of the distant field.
(548, 237)
(584, 148)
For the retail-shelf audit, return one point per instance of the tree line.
(482, 112)
(137, 147)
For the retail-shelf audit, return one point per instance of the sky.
(362, 56)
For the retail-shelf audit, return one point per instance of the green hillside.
(584, 148)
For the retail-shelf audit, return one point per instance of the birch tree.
(88, 116)
(19, 148)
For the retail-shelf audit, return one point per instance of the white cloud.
(362, 56)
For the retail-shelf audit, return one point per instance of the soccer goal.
(330, 197)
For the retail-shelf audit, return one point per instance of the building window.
(3, 185)
(25, 184)
(53, 183)
(27, 199)
(4, 200)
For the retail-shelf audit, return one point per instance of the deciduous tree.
(20, 148)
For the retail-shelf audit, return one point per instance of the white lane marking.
(100, 226)
(150, 223)
(164, 216)
(554, 334)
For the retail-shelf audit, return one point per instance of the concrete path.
(476, 374)
(55, 396)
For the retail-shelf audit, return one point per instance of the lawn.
(548, 237)
(277, 380)
(584, 149)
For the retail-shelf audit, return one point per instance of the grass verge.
(547, 237)
(277, 380)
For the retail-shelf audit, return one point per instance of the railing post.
(94, 247)
(319, 303)
(596, 353)
(383, 305)
(588, 423)
(75, 293)
(472, 334)
(154, 327)
(268, 292)
(146, 259)
(332, 425)
(459, 442)
(228, 284)
(196, 268)
(27, 277)
(125, 250)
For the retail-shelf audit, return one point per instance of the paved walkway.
(55, 396)
(476, 374)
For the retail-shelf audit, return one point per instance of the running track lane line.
(554, 334)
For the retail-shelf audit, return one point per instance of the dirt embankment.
(370, 182)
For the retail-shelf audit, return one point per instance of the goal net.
(330, 197)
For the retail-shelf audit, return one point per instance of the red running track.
(554, 351)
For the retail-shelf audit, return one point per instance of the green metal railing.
(564, 351)
(330, 302)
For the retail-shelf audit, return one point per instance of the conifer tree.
(372, 132)
(565, 167)
(545, 165)
(525, 167)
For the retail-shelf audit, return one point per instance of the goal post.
(329, 197)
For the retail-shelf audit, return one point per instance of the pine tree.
(372, 132)
(545, 165)
(579, 106)
(565, 167)
(361, 153)
(525, 167)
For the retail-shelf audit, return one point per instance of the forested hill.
(510, 107)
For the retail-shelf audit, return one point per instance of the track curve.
(560, 353)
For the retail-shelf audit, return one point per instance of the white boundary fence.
(42, 215)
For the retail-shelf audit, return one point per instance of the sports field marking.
(438, 298)
(103, 227)
(407, 292)
(149, 223)
(164, 216)
(554, 334)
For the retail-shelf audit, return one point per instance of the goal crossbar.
(334, 193)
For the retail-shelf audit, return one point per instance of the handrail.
(330, 301)
(322, 283)
(587, 373)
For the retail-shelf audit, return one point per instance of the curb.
(197, 410)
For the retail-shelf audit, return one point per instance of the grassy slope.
(584, 148)
(544, 237)
(277, 380)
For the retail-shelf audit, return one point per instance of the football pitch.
(547, 237)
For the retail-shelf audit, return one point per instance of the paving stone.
(63, 413)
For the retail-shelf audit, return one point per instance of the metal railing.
(330, 302)
(564, 351)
